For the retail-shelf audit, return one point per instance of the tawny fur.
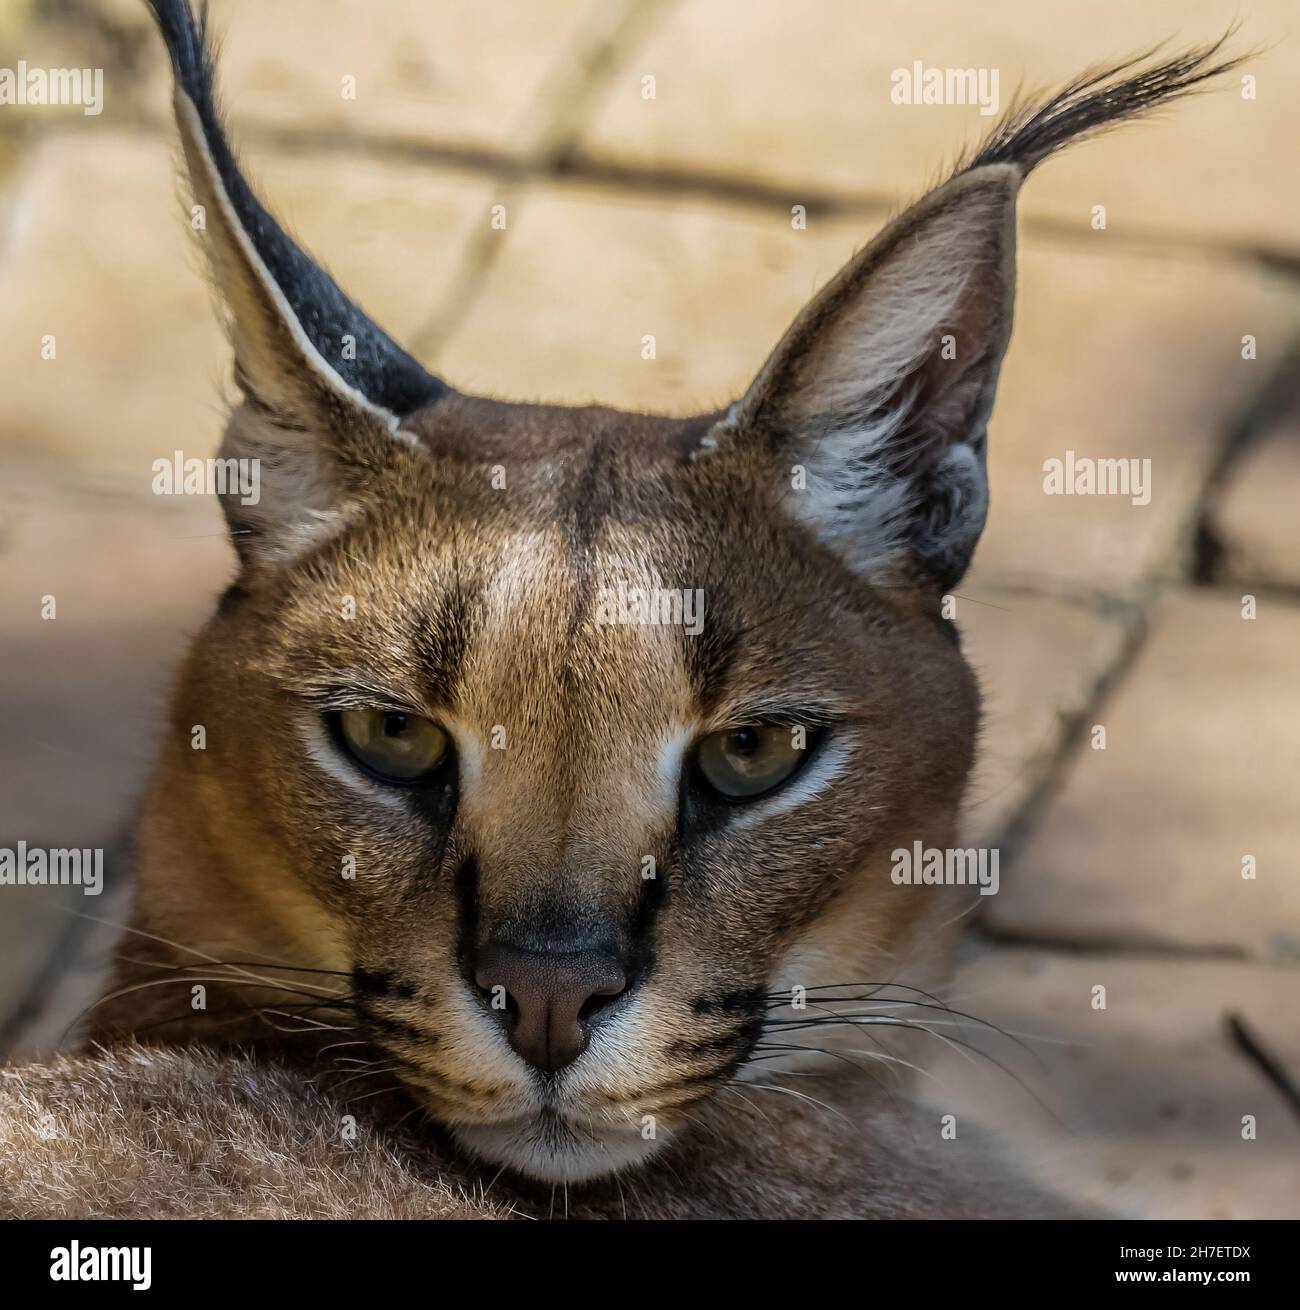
(188, 1133)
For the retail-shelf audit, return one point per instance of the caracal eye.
(743, 763)
(398, 747)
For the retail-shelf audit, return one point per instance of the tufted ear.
(878, 396)
(877, 399)
(316, 374)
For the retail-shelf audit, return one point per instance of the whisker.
(783, 998)
(882, 1056)
(239, 1011)
(822, 1005)
(735, 1088)
(334, 1046)
(802, 1096)
(245, 964)
(316, 1024)
(396, 1087)
(140, 932)
(363, 1073)
(163, 982)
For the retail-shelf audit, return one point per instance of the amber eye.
(743, 763)
(398, 747)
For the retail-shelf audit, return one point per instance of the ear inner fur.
(877, 397)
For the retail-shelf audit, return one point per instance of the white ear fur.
(878, 396)
(294, 396)
(276, 358)
(300, 502)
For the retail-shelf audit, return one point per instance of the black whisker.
(240, 964)
(955, 1041)
(777, 999)
(781, 1000)
(239, 1011)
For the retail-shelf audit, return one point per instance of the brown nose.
(552, 998)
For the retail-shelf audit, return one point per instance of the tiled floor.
(629, 213)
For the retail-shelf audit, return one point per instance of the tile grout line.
(547, 132)
(1280, 396)
(567, 163)
(1258, 412)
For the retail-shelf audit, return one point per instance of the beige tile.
(586, 274)
(1116, 355)
(798, 97)
(83, 694)
(110, 37)
(1254, 516)
(82, 702)
(392, 236)
(1146, 840)
(1039, 661)
(97, 258)
(1136, 1109)
(455, 73)
(100, 255)
(1119, 356)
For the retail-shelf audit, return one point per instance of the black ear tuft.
(381, 370)
(1102, 98)
(878, 396)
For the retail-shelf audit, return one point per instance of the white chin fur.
(555, 1151)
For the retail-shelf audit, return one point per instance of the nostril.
(547, 1001)
(593, 1005)
(603, 995)
(502, 1004)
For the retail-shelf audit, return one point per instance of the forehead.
(503, 620)
(582, 642)
(609, 585)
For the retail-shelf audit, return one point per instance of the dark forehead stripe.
(589, 500)
(442, 638)
(603, 490)
(587, 503)
(710, 655)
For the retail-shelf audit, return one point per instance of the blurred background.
(522, 191)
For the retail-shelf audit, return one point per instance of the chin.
(553, 1148)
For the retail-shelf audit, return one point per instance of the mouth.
(609, 1110)
(555, 1146)
(575, 1137)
